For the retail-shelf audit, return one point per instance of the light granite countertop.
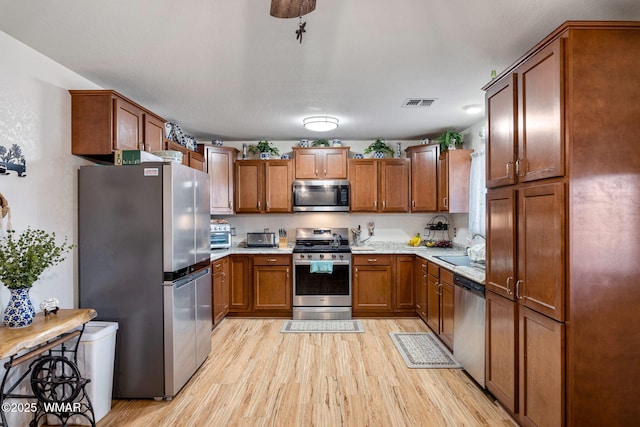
(377, 247)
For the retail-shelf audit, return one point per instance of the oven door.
(322, 289)
(220, 239)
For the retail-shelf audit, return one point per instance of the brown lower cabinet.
(383, 285)
(260, 285)
(272, 282)
(420, 280)
(440, 294)
(219, 289)
(525, 364)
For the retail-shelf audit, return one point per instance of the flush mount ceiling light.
(320, 123)
(472, 109)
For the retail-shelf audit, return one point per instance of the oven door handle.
(335, 262)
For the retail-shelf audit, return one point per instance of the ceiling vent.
(417, 102)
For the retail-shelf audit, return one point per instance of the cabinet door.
(217, 284)
(240, 283)
(372, 288)
(394, 186)
(420, 269)
(424, 178)
(249, 186)
(502, 350)
(128, 121)
(278, 190)
(153, 133)
(501, 241)
(272, 287)
(542, 370)
(335, 163)
(433, 303)
(363, 177)
(443, 182)
(226, 276)
(446, 307)
(404, 289)
(308, 163)
(540, 140)
(541, 249)
(458, 170)
(502, 132)
(220, 169)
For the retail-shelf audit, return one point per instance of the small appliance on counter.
(261, 240)
(220, 237)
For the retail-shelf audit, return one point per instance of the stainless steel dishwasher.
(469, 327)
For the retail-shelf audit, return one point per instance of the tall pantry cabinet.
(563, 229)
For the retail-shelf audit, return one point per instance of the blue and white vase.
(378, 155)
(19, 312)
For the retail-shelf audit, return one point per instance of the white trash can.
(96, 359)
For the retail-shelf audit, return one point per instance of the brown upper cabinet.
(321, 163)
(193, 159)
(104, 120)
(526, 126)
(424, 177)
(453, 181)
(379, 185)
(220, 161)
(263, 186)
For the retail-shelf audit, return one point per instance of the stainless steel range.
(322, 274)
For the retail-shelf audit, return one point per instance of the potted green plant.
(264, 148)
(449, 138)
(320, 143)
(379, 148)
(22, 261)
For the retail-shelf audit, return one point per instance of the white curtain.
(477, 191)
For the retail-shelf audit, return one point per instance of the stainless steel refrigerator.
(143, 243)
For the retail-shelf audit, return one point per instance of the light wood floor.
(256, 376)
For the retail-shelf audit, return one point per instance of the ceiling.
(226, 69)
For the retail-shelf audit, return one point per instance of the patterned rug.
(322, 326)
(423, 350)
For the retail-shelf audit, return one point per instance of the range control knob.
(301, 256)
(309, 256)
(321, 256)
(333, 256)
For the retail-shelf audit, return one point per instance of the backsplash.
(388, 227)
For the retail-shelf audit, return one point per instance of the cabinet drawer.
(433, 269)
(217, 265)
(372, 259)
(271, 260)
(446, 276)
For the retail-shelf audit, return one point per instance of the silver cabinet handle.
(356, 272)
(375, 204)
(509, 170)
(372, 259)
(445, 202)
(384, 204)
(325, 172)
(316, 172)
(413, 203)
(518, 296)
(217, 265)
(287, 274)
(272, 260)
(509, 280)
(258, 204)
(267, 203)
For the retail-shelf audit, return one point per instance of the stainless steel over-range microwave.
(321, 195)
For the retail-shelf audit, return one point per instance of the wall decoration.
(5, 211)
(12, 159)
